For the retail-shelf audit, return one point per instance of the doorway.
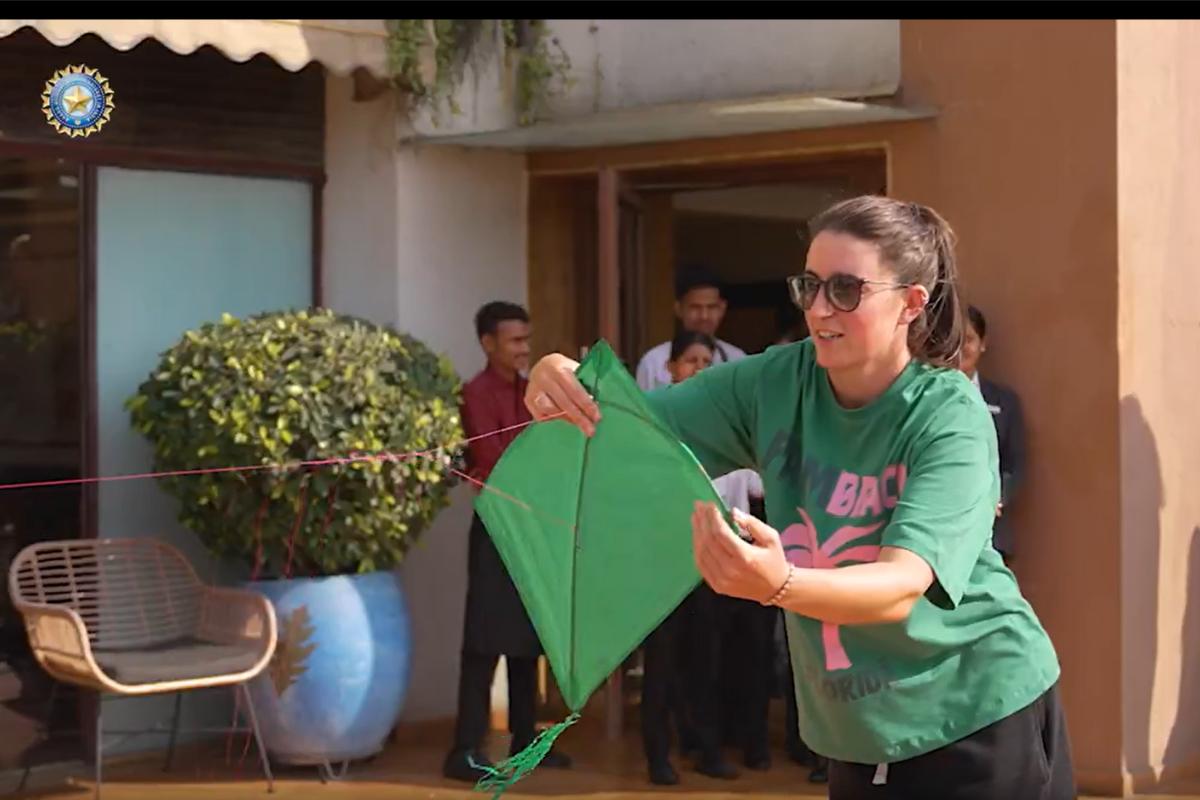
(747, 225)
(42, 425)
(604, 246)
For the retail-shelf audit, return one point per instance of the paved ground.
(604, 771)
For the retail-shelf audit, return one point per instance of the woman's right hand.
(555, 391)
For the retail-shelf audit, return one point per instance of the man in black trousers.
(496, 623)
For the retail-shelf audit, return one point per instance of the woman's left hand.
(729, 564)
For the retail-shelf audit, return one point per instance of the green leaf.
(300, 385)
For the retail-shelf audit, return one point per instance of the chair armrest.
(59, 640)
(230, 615)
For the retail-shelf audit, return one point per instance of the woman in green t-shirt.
(920, 670)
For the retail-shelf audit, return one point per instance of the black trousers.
(475, 699)
(663, 699)
(1026, 755)
(734, 636)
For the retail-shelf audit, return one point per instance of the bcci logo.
(77, 101)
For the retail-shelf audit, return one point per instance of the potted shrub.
(311, 400)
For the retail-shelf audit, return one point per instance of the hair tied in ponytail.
(918, 245)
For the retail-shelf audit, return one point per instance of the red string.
(245, 748)
(330, 501)
(258, 550)
(303, 504)
(323, 462)
(487, 487)
(237, 707)
(262, 509)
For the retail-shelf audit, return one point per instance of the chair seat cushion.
(182, 659)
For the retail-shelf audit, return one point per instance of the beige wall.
(461, 229)
(420, 239)
(359, 246)
(1158, 86)
(1022, 161)
(623, 64)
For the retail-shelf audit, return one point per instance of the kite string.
(323, 462)
(487, 487)
(331, 499)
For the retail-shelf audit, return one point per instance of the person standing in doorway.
(687, 652)
(664, 686)
(1005, 408)
(699, 307)
(496, 622)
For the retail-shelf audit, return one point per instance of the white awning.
(341, 45)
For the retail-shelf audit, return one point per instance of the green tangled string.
(512, 769)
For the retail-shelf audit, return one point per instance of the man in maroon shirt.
(496, 623)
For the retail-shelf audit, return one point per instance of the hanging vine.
(542, 65)
(543, 62)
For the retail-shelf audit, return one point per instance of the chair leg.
(99, 743)
(262, 751)
(174, 733)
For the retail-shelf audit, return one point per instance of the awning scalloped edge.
(341, 46)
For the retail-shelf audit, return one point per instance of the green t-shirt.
(917, 468)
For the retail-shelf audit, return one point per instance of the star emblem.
(77, 100)
(84, 105)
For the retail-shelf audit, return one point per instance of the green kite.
(596, 534)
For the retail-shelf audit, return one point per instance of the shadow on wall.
(1181, 752)
(1142, 501)
(1141, 577)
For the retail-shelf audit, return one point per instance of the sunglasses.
(844, 292)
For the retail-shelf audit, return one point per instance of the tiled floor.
(604, 770)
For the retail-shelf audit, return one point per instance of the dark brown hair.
(490, 315)
(918, 245)
(977, 321)
(685, 339)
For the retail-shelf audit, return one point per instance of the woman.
(920, 669)
(1005, 407)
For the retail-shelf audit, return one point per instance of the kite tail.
(503, 775)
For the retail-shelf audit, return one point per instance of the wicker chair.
(130, 617)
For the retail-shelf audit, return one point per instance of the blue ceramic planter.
(336, 685)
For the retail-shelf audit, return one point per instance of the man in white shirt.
(737, 487)
(699, 307)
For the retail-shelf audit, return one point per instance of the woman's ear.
(915, 299)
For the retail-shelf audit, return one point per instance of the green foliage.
(30, 336)
(453, 41)
(542, 64)
(542, 61)
(281, 388)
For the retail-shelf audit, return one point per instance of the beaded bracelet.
(775, 598)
